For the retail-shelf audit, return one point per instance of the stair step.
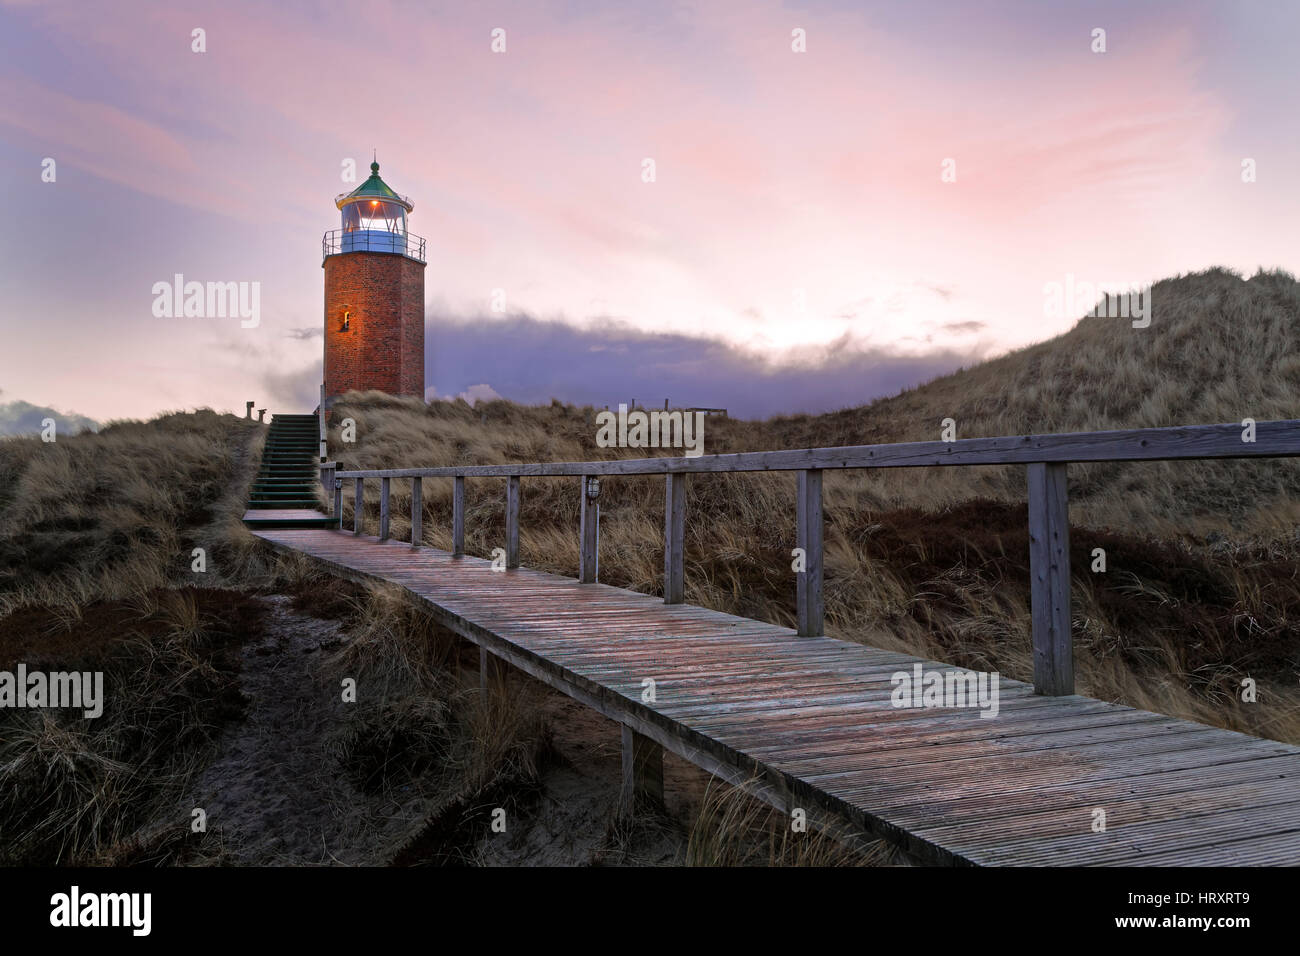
(324, 521)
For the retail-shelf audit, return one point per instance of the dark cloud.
(292, 391)
(24, 418)
(531, 361)
(960, 328)
(306, 332)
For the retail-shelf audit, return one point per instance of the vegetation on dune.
(115, 513)
(1201, 590)
(76, 790)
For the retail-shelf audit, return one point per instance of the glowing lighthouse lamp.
(374, 219)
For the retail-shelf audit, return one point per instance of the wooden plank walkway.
(807, 722)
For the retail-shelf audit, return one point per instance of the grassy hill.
(97, 532)
(1219, 348)
(109, 514)
(1200, 590)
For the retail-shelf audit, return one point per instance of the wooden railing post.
(384, 490)
(588, 523)
(338, 501)
(674, 538)
(458, 516)
(1049, 579)
(810, 612)
(358, 504)
(324, 454)
(417, 512)
(512, 521)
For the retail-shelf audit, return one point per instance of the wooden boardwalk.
(807, 722)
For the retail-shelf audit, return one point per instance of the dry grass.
(734, 828)
(422, 721)
(411, 668)
(1201, 588)
(76, 790)
(110, 514)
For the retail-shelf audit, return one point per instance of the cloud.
(479, 393)
(530, 360)
(306, 332)
(959, 328)
(24, 418)
(292, 391)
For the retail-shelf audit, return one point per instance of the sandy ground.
(272, 795)
(573, 820)
(268, 794)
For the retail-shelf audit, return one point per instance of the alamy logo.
(103, 909)
(922, 688)
(657, 429)
(212, 300)
(1076, 297)
(35, 689)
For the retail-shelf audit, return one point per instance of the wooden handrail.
(1046, 458)
(1280, 439)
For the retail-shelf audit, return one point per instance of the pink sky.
(781, 176)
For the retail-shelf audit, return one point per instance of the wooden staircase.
(284, 492)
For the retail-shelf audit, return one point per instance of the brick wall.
(384, 346)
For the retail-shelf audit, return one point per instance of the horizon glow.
(797, 208)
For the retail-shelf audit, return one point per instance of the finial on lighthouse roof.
(373, 189)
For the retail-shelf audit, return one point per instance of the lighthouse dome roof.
(373, 188)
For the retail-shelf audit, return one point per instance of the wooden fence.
(1046, 458)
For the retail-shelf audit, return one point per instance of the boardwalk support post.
(589, 517)
(1049, 579)
(674, 538)
(458, 516)
(384, 496)
(810, 611)
(417, 512)
(338, 501)
(643, 771)
(491, 670)
(512, 521)
(358, 504)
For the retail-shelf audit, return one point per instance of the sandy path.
(273, 794)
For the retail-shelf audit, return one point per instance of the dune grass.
(1201, 590)
(115, 513)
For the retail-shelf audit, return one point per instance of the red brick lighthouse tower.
(374, 295)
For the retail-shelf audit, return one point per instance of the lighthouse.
(374, 295)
